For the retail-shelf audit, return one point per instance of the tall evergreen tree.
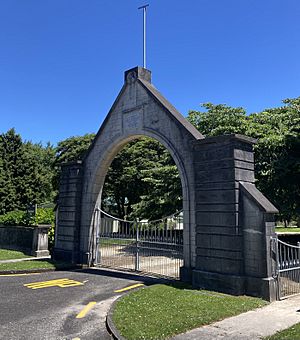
(26, 172)
(10, 151)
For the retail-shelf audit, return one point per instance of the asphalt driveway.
(59, 305)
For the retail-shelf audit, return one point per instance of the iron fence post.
(98, 249)
(298, 245)
(137, 252)
(274, 247)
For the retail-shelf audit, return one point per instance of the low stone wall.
(33, 239)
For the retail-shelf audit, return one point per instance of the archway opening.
(142, 182)
(140, 223)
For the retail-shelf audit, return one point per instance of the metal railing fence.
(154, 247)
(288, 267)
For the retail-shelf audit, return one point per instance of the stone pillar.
(40, 240)
(258, 223)
(68, 213)
(221, 164)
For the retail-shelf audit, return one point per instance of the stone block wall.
(68, 214)
(257, 218)
(32, 240)
(16, 237)
(220, 163)
(234, 221)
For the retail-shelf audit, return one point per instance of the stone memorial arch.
(228, 223)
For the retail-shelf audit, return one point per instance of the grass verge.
(6, 254)
(292, 333)
(33, 265)
(162, 310)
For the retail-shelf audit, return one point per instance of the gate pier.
(234, 221)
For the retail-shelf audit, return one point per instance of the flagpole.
(144, 33)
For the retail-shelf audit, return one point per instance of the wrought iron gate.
(287, 267)
(153, 247)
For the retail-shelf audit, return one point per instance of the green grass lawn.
(6, 254)
(27, 265)
(292, 333)
(34, 265)
(162, 311)
(107, 242)
(287, 230)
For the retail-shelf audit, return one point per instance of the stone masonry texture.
(221, 205)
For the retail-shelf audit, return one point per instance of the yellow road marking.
(23, 274)
(76, 339)
(129, 287)
(62, 283)
(85, 310)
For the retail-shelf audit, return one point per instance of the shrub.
(44, 216)
(16, 217)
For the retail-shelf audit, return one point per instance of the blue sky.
(62, 61)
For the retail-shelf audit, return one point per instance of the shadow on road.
(147, 280)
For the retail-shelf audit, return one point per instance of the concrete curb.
(111, 328)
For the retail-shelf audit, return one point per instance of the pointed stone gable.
(140, 110)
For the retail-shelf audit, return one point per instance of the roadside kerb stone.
(111, 328)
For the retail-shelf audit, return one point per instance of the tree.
(141, 182)
(277, 155)
(144, 178)
(164, 191)
(25, 172)
(35, 183)
(10, 151)
(276, 152)
(70, 150)
(73, 148)
(219, 119)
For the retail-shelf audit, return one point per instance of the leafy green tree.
(277, 155)
(73, 148)
(35, 184)
(276, 152)
(219, 119)
(70, 150)
(143, 178)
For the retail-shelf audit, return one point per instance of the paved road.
(49, 313)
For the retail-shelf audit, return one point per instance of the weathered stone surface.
(227, 222)
(68, 213)
(257, 222)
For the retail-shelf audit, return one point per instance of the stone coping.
(38, 226)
